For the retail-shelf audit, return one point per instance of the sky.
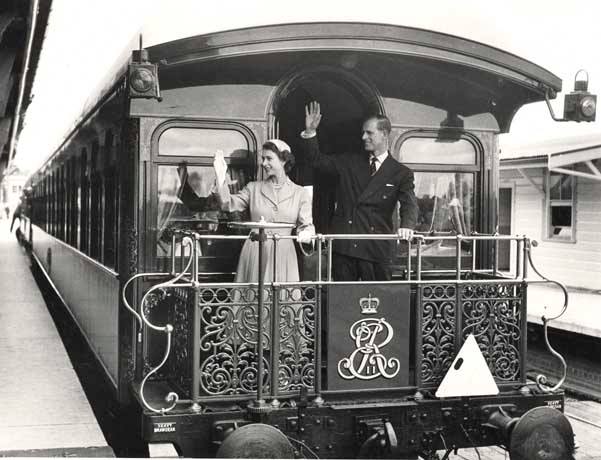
(87, 39)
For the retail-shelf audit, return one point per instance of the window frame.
(475, 169)
(547, 228)
(157, 161)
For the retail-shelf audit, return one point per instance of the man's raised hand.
(312, 117)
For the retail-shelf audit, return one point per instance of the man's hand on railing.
(305, 235)
(405, 233)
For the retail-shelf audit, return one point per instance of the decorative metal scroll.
(229, 337)
(297, 338)
(493, 314)
(491, 311)
(181, 316)
(438, 304)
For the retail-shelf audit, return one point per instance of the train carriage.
(149, 280)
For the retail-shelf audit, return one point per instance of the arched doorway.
(346, 100)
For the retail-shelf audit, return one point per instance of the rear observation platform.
(45, 411)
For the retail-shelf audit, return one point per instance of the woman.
(275, 199)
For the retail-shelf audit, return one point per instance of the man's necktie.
(372, 166)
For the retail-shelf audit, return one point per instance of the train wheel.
(542, 433)
(256, 440)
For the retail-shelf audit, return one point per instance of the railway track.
(582, 355)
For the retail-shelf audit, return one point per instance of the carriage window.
(193, 206)
(445, 180)
(427, 150)
(446, 202)
(560, 206)
(204, 142)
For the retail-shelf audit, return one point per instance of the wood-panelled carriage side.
(190, 348)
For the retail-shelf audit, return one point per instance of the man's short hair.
(382, 122)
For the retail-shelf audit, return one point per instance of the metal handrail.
(188, 277)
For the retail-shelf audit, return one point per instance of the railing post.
(173, 243)
(275, 340)
(319, 252)
(196, 254)
(330, 244)
(495, 256)
(317, 333)
(196, 350)
(260, 402)
(419, 319)
(524, 329)
(408, 260)
(458, 306)
(518, 258)
(474, 255)
(419, 258)
(458, 258)
(275, 238)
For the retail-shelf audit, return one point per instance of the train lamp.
(579, 105)
(143, 76)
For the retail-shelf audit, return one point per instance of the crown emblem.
(369, 305)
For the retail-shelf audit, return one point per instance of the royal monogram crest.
(369, 305)
(370, 335)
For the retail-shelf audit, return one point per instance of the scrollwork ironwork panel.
(438, 306)
(297, 337)
(493, 314)
(181, 317)
(229, 335)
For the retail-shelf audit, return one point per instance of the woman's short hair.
(285, 155)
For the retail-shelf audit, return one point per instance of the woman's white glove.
(220, 167)
(305, 235)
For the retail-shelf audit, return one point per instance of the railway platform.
(45, 412)
(581, 317)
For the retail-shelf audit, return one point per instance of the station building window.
(560, 199)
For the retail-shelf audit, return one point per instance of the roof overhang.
(437, 69)
(579, 156)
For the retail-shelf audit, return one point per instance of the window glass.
(427, 150)
(203, 142)
(194, 206)
(560, 186)
(446, 205)
(561, 216)
(560, 205)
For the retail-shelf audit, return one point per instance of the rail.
(186, 275)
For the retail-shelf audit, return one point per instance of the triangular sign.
(468, 375)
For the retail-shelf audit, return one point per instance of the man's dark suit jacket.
(365, 204)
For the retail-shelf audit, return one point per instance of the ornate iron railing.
(212, 346)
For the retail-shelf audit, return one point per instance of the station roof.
(566, 155)
(22, 29)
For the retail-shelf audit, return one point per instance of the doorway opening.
(345, 102)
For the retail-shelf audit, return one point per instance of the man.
(369, 185)
(17, 215)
